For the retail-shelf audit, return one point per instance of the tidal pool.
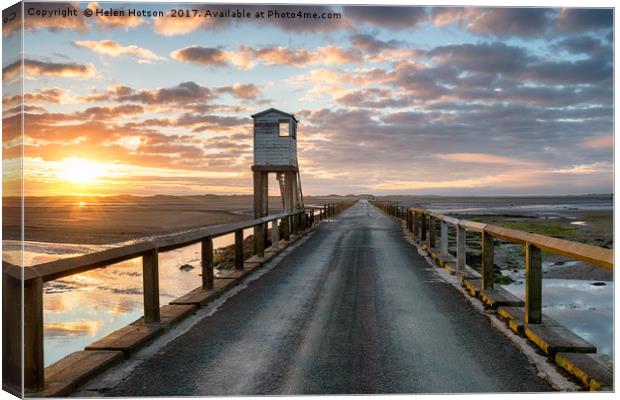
(82, 308)
(583, 308)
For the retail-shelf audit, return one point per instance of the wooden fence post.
(444, 238)
(34, 365)
(275, 232)
(416, 226)
(431, 232)
(409, 223)
(286, 228)
(150, 279)
(12, 335)
(488, 253)
(294, 227)
(239, 249)
(206, 250)
(533, 284)
(423, 228)
(260, 240)
(461, 249)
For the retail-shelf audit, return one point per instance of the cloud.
(171, 26)
(112, 22)
(598, 142)
(582, 19)
(54, 23)
(245, 92)
(496, 57)
(375, 50)
(386, 17)
(45, 95)
(505, 22)
(44, 68)
(114, 49)
(580, 45)
(336, 55)
(246, 57)
(183, 93)
(201, 55)
(482, 158)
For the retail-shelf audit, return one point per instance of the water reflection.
(80, 309)
(583, 308)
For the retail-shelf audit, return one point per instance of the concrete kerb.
(545, 368)
(104, 380)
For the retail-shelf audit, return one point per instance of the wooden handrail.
(29, 280)
(597, 256)
(533, 242)
(52, 270)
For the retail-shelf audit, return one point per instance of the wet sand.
(113, 219)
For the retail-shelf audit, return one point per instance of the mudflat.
(112, 219)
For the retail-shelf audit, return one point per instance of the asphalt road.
(353, 310)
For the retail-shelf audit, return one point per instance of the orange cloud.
(598, 142)
(246, 57)
(169, 26)
(43, 68)
(126, 21)
(480, 158)
(337, 55)
(114, 49)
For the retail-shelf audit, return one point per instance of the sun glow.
(80, 171)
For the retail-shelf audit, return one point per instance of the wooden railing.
(422, 224)
(27, 283)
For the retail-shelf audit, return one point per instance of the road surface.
(355, 309)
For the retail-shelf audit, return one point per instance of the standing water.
(82, 308)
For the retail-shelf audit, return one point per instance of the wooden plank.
(515, 317)
(595, 371)
(65, 375)
(553, 339)
(472, 225)
(200, 297)
(451, 220)
(172, 314)
(128, 339)
(494, 298)
(150, 279)
(533, 284)
(473, 286)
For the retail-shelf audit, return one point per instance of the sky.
(391, 100)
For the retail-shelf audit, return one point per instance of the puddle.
(580, 306)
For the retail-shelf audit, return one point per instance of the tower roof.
(274, 110)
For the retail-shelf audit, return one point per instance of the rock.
(598, 284)
(186, 267)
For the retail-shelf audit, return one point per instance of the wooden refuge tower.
(275, 151)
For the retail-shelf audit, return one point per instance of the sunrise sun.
(80, 171)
